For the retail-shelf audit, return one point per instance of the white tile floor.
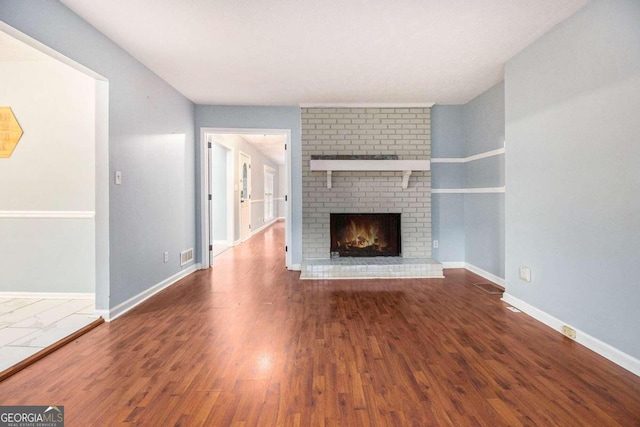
(29, 325)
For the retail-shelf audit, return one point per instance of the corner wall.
(484, 222)
(468, 183)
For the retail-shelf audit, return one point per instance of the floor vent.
(186, 257)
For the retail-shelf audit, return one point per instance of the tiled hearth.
(371, 268)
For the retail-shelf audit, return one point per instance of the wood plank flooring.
(246, 343)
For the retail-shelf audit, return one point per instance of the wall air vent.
(186, 257)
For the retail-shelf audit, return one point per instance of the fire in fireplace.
(365, 235)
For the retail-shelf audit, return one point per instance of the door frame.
(228, 194)
(248, 196)
(204, 185)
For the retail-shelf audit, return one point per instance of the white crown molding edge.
(607, 351)
(48, 214)
(479, 156)
(485, 190)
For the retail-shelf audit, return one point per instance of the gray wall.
(469, 227)
(219, 191)
(150, 140)
(483, 124)
(572, 206)
(261, 118)
(447, 210)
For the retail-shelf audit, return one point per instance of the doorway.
(250, 147)
(221, 224)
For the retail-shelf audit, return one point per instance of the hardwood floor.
(246, 343)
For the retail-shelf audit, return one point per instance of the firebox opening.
(365, 235)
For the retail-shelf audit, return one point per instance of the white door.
(210, 162)
(245, 196)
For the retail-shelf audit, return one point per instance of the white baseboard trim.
(295, 267)
(485, 274)
(456, 264)
(605, 350)
(49, 295)
(220, 242)
(122, 308)
(265, 225)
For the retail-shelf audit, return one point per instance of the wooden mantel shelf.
(406, 166)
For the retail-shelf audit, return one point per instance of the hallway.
(246, 342)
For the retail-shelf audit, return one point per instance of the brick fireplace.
(402, 134)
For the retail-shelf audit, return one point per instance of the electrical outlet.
(436, 244)
(569, 332)
(166, 257)
(525, 273)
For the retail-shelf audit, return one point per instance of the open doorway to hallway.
(245, 186)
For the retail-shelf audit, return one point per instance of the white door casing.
(244, 175)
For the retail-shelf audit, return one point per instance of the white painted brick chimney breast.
(405, 132)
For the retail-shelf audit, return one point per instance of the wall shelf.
(405, 166)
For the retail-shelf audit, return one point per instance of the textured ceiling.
(286, 52)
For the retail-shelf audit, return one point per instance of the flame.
(362, 236)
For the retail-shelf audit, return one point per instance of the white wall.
(218, 191)
(282, 191)
(51, 169)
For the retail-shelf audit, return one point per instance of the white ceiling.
(291, 52)
(271, 145)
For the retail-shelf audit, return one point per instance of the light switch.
(118, 175)
(525, 274)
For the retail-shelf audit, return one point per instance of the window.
(268, 194)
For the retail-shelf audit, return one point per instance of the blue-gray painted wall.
(250, 117)
(572, 172)
(447, 210)
(151, 140)
(469, 227)
(483, 119)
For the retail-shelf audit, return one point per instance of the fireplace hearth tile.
(371, 268)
